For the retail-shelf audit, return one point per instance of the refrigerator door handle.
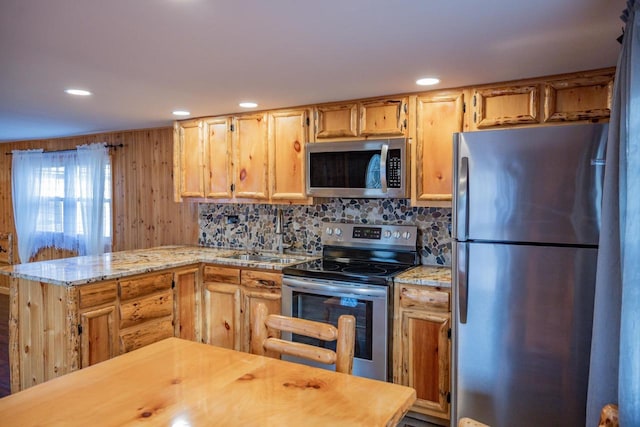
(462, 207)
(462, 280)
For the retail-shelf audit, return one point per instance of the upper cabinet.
(288, 133)
(188, 159)
(218, 151)
(383, 117)
(260, 157)
(437, 116)
(252, 157)
(582, 97)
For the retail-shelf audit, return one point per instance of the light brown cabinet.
(98, 322)
(383, 117)
(251, 156)
(229, 296)
(422, 346)
(145, 310)
(217, 150)
(247, 158)
(288, 134)
(186, 309)
(188, 158)
(438, 115)
(259, 287)
(579, 97)
(222, 308)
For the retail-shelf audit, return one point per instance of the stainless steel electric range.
(354, 276)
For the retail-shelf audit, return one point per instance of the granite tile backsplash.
(255, 228)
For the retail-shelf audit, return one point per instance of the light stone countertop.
(426, 275)
(94, 268)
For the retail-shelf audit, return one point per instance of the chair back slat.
(304, 327)
(305, 351)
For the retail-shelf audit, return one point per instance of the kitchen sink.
(264, 258)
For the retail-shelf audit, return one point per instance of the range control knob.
(386, 234)
(329, 231)
(396, 234)
(337, 231)
(406, 235)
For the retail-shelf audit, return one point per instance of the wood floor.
(4, 345)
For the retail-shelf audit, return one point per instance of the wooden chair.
(344, 334)
(609, 416)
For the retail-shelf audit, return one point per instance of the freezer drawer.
(522, 335)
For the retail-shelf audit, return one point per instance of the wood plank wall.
(145, 214)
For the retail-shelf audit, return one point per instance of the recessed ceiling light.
(427, 81)
(181, 113)
(78, 92)
(248, 104)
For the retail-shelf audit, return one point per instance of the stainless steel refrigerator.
(526, 220)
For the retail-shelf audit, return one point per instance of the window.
(63, 200)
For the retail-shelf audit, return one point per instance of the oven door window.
(328, 309)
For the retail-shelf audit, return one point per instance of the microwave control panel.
(394, 169)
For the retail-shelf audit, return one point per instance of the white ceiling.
(143, 59)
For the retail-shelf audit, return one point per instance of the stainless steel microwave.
(359, 169)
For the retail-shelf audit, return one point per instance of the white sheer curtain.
(26, 176)
(93, 160)
(614, 376)
(59, 200)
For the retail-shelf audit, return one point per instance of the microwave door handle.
(383, 166)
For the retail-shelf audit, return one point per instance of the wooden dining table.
(180, 383)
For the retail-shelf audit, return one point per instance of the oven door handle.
(295, 284)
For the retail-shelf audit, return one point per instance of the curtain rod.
(62, 151)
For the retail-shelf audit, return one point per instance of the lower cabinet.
(422, 348)
(98, 323)
(222, 309)
(229, 296)
(146, 310)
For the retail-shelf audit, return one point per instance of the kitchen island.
(71, 313)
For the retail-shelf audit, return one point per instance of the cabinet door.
(252, 297)
(188, 143)
(187, 304)
(288, 133)
(99, 339)
(98, 322)
(384, 117)
(578, 98)
(218, 143)
(508, 105)
(438, 117)
(259, 287)
(251, 154)
(336, 121)
(222, 311)
(425, 359)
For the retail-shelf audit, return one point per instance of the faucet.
(279, 230)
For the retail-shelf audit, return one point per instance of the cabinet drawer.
(102, 293)
(147, 308)
(424, 297)
(221, 274)
(145, 285)
(148, 333)
(261, 279)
